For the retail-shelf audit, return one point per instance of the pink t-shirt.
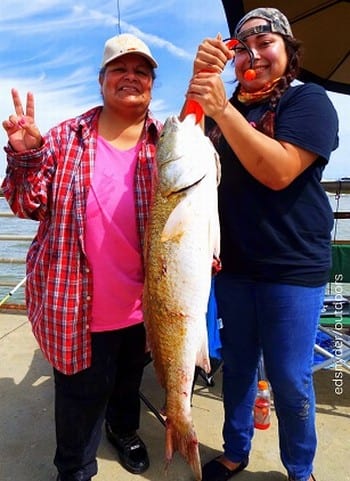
(112, 243)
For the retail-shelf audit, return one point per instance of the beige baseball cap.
(126, 43)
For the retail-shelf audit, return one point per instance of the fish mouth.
(173, 120)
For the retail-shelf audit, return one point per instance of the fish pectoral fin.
(214, 236)
(204, 363)
(202, 351)
(203, 360)
(177, 221)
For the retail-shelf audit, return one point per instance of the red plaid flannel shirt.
(51, 185)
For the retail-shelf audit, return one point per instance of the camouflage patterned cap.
(277, 23)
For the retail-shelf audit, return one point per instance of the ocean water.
(23, 227)
(13, 250)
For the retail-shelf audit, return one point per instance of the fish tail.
(186, 444)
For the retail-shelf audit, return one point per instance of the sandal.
(312, 476)
(216, 471)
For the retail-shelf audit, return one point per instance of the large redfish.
(183, 236)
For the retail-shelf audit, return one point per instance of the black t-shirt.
(281, 236)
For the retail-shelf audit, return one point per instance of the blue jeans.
(279, 321)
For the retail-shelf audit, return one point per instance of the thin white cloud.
(54, 48)
(154, 40)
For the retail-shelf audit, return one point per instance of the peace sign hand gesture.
(21, 130)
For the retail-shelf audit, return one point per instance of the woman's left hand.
(212, 55)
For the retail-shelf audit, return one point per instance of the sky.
(53, 48)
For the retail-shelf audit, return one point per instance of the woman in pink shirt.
(88, 182)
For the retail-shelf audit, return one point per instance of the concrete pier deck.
(27, 439)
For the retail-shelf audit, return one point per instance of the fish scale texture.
(182, 237)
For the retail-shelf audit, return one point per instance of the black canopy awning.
(322, 26)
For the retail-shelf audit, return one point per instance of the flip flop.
(216, 471)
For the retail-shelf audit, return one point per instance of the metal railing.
(12, 286)
(338, 187)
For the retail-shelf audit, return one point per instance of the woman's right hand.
(21, 130)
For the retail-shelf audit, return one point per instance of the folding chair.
(145, 400)
(332, 349)
(332, 346)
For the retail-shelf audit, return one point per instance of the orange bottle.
(262, 406)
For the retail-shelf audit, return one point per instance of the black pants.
(108, 389)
